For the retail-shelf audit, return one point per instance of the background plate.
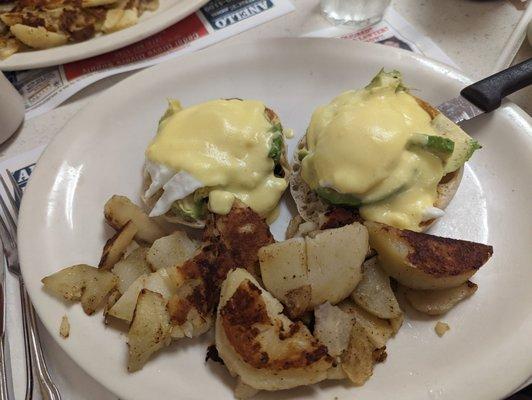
(100, 152)
(168, 13)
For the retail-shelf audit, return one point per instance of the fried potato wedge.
(328, 262)
(115, 247)
(11, 18)
(260, 344)
(358, 361)
(378, 330)
(158, 282)
(283, 268)
(8, 47)
(334, 259)
(96, 3)
(437, 302)
(243, 391)
(117, 19)
(38, 38)
(333, 328)
(396, 323)
(130, 268)
(422, 261)
(149, 330)
(374, 293)
(119, 210)
(172, 250)
(82, 282)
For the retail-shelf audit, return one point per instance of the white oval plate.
(485, 355)
(168, 13)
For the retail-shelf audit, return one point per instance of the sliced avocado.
(189, 208)
(332, 196)
(301, 154)
(438, 145)
(276, 147)
(464, 145)
(387, 79)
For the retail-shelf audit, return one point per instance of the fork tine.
(9, 195)
(7, 239)
(16, 188)
(11, 222)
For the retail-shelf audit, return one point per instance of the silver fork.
(32, 344)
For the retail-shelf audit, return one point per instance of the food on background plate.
(205, 156)
(42, 24)
(382, 153)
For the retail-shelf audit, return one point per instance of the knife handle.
(488, 93)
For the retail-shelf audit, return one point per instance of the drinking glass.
(11, 109)
(358, 13)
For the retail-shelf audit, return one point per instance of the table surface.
(472, 33)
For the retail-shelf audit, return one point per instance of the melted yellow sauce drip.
(225, 145)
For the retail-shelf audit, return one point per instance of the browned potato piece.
(115, 247)
(258, 343)
(130, 268)
(96, 3)
(283, 268)
(8, 47)
(149, 330)
(374, 293)
(306, 272)
(243, 391)
(437, 302)
(38, 38)
(396, 323)
(378, 330)
(334, 260)
(171, 250)
(82, 282)
(422, 261)
(332, 328)
(358, 361)
(119, 210)
(11, 18)
(159, 282)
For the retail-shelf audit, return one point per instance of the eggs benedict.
(381, 151)
(205, 156)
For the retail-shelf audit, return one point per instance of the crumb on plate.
(64, 328)
(441, 328)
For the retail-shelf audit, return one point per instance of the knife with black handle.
(486, 95)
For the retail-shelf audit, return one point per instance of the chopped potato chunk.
(82, 282)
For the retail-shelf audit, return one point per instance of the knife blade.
(486, 95)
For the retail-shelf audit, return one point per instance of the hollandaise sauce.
(359, 145)
(225, 145)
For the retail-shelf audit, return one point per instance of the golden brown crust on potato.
(336, 217)
(231, 241)
(239, 235)
(443, 256)
(240, 316)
